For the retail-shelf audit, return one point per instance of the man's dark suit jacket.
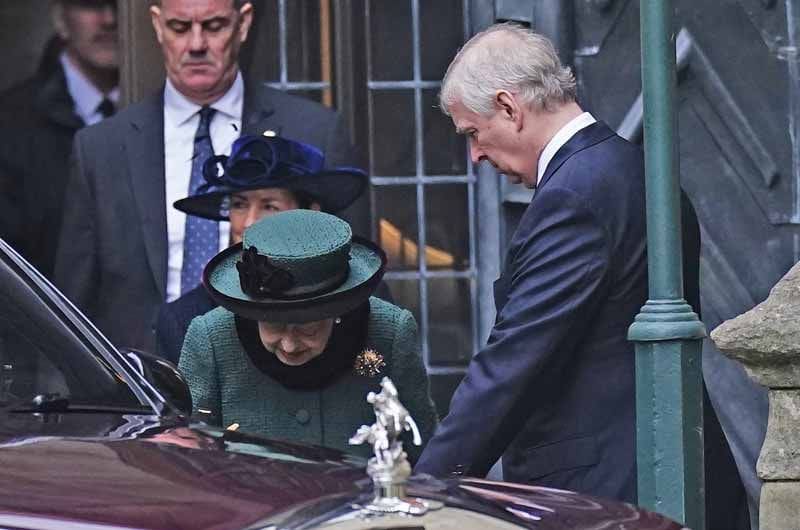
(112, 253)
(37, 125)
(553, 390)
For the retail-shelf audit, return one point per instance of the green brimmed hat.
(293, 267)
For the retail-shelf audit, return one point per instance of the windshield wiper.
(48, 403)
(40, 403)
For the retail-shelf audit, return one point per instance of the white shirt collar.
(84, 94)
(559, 139)
(179, 109)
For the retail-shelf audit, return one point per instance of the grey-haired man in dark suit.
(123, 249)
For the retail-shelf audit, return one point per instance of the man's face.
(247, 207)
(89, 29)
(200, 40)
(496, 139)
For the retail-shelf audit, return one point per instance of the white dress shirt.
(84, 94)
(563, 136)
(181, 118)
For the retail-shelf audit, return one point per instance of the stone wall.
(766, 340)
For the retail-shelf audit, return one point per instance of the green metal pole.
(668, 334)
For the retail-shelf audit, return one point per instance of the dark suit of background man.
(553, 391)
(122, 248)
(75, 85)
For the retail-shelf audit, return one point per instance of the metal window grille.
(423, 182)
(283, 82)
(417, 178)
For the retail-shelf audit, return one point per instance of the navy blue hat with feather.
(258, 162)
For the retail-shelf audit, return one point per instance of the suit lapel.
(258, 112)
(586, 137)
(145, 150)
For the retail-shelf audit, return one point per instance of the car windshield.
(44, 358)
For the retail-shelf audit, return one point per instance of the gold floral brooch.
(369, 363)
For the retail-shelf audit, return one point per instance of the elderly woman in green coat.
(299, 341)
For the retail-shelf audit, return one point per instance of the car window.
(42, 355)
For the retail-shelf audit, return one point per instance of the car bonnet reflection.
(162, 478)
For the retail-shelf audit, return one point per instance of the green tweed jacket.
(224, 381)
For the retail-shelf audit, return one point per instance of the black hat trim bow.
(259, 277)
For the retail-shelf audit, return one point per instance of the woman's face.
(295, 344)
(247, 207)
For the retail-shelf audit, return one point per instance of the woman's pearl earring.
(338, 320)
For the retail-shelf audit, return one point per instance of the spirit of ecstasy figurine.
(389, 468)
(391, 419)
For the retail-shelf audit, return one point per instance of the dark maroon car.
(91, 438)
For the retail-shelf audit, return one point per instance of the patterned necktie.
(106, 107)
(201, 236)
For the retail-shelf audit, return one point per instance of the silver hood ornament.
(389, 468)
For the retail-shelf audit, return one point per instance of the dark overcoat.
(37, 126)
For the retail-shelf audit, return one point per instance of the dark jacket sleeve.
(559, 260)
(76, 259)
(13, 178)
(174, 319)
(11, 201)
(169, 334)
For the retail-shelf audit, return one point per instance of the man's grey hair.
(508, 57)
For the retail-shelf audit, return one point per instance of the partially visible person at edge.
(299, 342)
(123, 250)
(263, 176)
(553, 391)
(75, 85)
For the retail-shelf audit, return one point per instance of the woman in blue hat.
(298, 340)
(262, 176)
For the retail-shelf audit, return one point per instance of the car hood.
(131, 471)
(101, 471)
(553, 509)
